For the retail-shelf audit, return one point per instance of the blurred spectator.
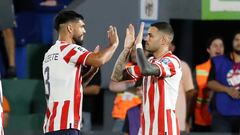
(185, 96)
(6, 111)
(90, 92)
(133, 116)
(224, 79)
(203, 118)
(7, 22)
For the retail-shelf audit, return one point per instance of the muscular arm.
(146, 68)
(120, 65)
(100, 58)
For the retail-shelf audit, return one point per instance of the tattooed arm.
(146, 68)
(120, 65)
(122, 60)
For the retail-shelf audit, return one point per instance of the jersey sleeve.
(134, 72)
(74, 54)
(168, 66)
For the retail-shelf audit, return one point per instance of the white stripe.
(57, 119)
(174, 126)
(70, 114)
(146, 108)
(132, 72)
(156, 107)
(80, 121)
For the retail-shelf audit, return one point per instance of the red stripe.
(81, 58)
(175, 57)
(52, 117)
(163, 72)
(145, 80)
(63, 47)
(178, 130)
(143, 124)
(77, 98)
(172, 69)
(161, 107)
(64, 115)
(69, 55)
(151, 105)
(137, 71)
(47, 115)
(169, 122)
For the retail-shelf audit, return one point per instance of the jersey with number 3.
(63, 86)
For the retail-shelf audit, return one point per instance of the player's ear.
(70, 28)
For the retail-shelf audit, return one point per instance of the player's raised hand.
(140, 34)
(113, 36)
(130, 37)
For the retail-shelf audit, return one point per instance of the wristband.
(139, 45)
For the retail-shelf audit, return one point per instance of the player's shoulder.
(184, 63)
(78, 48)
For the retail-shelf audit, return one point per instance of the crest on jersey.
(165, 61)
(81, 49)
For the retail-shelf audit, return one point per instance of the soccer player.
(62, 73)
(161, 78)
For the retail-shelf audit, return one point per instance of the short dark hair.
(165, 28)
(211, 39)
(66, 16)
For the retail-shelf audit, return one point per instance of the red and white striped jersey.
(1, 109)
(160, 96)
(63, 86)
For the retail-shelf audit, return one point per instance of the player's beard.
(78, 41)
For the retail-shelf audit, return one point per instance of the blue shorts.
(65, 132)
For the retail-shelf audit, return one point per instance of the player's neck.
(65, 37)
(161, 52)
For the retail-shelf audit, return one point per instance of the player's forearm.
(106, 54)
(191, 96)
(92, 90)
(146, 68)
(120, 86)
(120, 65)
(217, 87)
(89, 76)
(100, 58)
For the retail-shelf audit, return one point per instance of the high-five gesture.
(140, 34)
(113, 36)
(130, 37)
